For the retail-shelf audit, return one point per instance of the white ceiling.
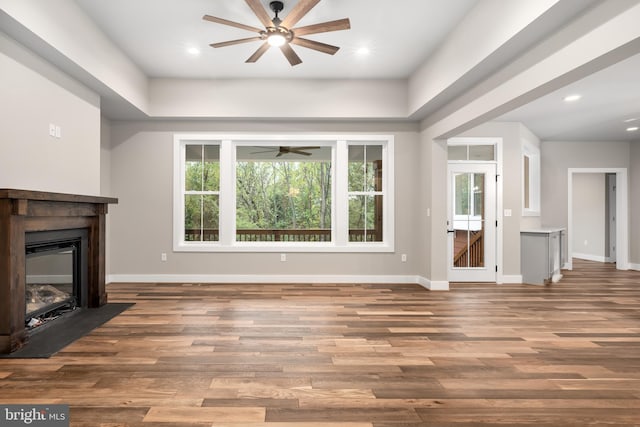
(155, 34)
(401, 35)
(609, 97)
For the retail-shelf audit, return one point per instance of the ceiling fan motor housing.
(276, 7)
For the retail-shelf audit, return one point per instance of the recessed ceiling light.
(632, 129)
(572, 98)
(193, 51)
(363, 51)
(630, 120)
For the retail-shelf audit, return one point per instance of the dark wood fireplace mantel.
(22, 212)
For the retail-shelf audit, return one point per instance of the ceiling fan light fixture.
(276, 39)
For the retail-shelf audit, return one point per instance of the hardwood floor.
(353, 356)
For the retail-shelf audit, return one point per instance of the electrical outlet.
(163, 256)
(283, 257)
(403, 257)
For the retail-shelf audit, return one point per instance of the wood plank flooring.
(191, 355)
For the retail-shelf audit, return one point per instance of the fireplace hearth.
(52, 259)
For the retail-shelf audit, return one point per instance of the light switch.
(507, 212)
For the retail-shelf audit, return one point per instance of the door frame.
(498, 143)
(622, 214)
(611, 199)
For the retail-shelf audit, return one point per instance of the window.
(530, 180)
(283, 193)
(471, 152)
(469, 199)
(201, 192)
(365, 193)
(275, 193)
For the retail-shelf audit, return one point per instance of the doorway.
(471, 222)
(620, 236)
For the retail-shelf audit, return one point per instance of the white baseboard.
(511, 279)
(589, 257)
(256, 278)
(49, 279)
(439, 285)
(634, 266)
(433, 285)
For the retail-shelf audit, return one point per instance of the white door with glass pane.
(471, 222)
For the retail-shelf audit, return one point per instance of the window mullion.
(341, 200)
(227, 193)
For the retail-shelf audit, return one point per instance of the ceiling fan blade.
(297, 151)
(291, 55)
(258, 53)
(260, 12)
(311, 44)
(231, 23)
(324, 27)
(298, 11)
(232, 42)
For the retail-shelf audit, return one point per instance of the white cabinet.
(541, 255)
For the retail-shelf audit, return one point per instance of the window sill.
(268, 247)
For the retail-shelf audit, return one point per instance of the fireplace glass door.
(51, 277)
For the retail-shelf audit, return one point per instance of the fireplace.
(52, 257)
(55, 274)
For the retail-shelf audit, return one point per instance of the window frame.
(532, 153)
(371, 193)
(199, 192)
(339, 187)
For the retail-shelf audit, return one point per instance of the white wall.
(556, 159)
(301, 98)
(589, 222)
(105, 179)
(34, 94)
(63, 26)
(142, 155)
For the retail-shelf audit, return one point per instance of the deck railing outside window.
(311, 235)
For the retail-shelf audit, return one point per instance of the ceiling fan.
(282, 150)
(279, 33)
